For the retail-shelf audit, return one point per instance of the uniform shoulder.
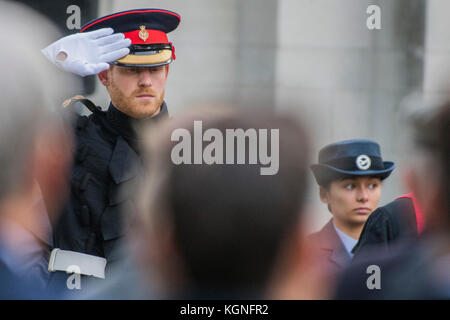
(317, 234)
(391, 211)
(322, 235)
(94, 141)
(398, 205)
(401, 209)
(399, 212)
(91, 106)
(313, 236)
(74, 112)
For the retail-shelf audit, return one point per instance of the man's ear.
(104, 77)
(167, 70)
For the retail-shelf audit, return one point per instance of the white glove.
(89, 52)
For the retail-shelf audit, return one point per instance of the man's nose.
(145, 79)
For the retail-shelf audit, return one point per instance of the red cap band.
(154, 36)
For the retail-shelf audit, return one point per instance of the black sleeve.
(386, 225)
(377, 231)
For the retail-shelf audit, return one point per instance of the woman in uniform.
(349, 175)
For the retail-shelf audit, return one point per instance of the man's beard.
(131, 106)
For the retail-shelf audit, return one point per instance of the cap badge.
(363, 162)
(143, 34)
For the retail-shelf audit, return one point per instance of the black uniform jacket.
(332, 255)
(385, 226)
(106, 166)
(411, 269)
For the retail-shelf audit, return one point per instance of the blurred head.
(136, 91)
(34, 145)
(429, 176)
(218, 229)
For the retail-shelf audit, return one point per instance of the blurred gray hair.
(31, 88)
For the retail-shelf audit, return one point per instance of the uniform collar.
(348, 242)
(330, 241)
(122, 123)
(125, 125)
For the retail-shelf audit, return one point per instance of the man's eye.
(373, 185)
(131, 70)
(155, 69)
(350, 186)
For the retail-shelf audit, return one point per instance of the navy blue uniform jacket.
(386, 226)
(106, 167)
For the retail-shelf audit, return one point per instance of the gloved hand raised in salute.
(88, 53)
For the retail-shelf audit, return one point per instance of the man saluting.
(107, 155)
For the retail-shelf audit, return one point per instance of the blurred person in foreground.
(219, 229)
(35, 148)
(418, 269)
(349, 175)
